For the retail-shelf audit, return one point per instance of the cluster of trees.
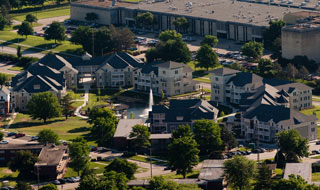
(206, 56)
(144, 20)
(253, 50)
(103, 40)
(181, 24)
(25, 28)
(272, 36)
(207, 138)
(240, 173)
(170, 48)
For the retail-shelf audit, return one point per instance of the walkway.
(11, 120)
(230, 115)
(86, 99)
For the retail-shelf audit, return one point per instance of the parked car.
(318, 143)
(44, 28)
(56, 182)
(62, 181)
(11, 134)
(93, 148)
(70, 180)
(76, 179)
(315, 152)
(34, 138)
(18, 135)
(4, 142)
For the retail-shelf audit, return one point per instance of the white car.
(4, 142)
(33, 138)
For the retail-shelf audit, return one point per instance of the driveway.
(4, 68)
(48, 21)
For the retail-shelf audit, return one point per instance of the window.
(176, 72)
(164, 72)
(36, 86)
(1, 97)
(312, 129)
(217, 79)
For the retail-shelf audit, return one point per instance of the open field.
(315, 111)
(316, 176)
(66, 129)
(97, 166)
(41, 14)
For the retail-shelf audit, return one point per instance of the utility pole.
(92, 43)
(150, 161)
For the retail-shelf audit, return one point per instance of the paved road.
(4, 68)
(48, 21)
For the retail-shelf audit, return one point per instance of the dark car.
(11, 134)
(62, 181)
(20, 135)
(315, 152)
(318, 142)
(93, 148)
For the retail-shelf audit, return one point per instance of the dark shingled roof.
(170, 65)
(243, 78)
(51, 155)
(279, 114)
(224, 71)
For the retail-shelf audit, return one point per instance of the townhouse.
(169, 77)
(4, 100)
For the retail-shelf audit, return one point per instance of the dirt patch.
(6, 171)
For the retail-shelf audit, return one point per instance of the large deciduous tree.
(273, 33)
(252, 49)
(122, 166)
(181, 24)
(145, 19)
(182, 131)
(31, 18)
(263, 178)
(49, 187)
(210, 40)
(239, 172)
(3, 79)
(169, 35)
(294, 183)
(228, 139)
(292, 145)
(44, 105)
(208, 136)
(123, 38)
(48, 136)
(79, 154)
(23, 162)
(3, 22)
(66, 104)
(207, 57)
(56, 32)
(25, 29)
(183, 155)
(174, 50)
(104, 124)
(140, 136)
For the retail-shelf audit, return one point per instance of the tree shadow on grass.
(193, 176)
(32, 123)
(199, 73)
(43, 47)
(16, 40)
(78, 52)
(79, 130)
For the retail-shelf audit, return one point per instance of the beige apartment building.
(170, 77)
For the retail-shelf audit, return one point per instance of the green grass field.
(66, 129)
(97, 166)
(48, 13)
(315, 111)
(316, 176)
(16, 68)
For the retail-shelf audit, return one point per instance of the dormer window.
(36, 86)
(179, 118)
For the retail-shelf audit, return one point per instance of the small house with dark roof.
(117, 70)
(121, 136)
(169, 77)
(165, 119)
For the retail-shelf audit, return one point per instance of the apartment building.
(4, 100)
(117, 70)
(169, 77)
(231, 86)
(38, 78)
(165, 119)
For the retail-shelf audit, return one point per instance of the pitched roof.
(5, 90)
(51, 155)
(292, 86)
(212, 170)
(279, 114)
(55, 61)
(223, 71)
(170, 65)
(121, 60)
(243, 78)
(302, 169)
(124, 127)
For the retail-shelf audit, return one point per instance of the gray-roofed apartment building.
(244, 21)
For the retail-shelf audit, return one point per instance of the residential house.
(169, 77)
(165, 119)
(302, 169)
(117, 70)
(37, 78)
(4, 100)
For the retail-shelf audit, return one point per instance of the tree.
(122, 166)
(131, 115)
(91, 17)
(48, 136)
(210, 40)
(169, 35)
(79, 151)
(19, 53)
(304, 73)
(266, 68)
(23, 162)
(264, 178)
(102, 39)
(66, 104)
(1, 136)
(89, 182)
(159, 183)
(25, 29)
(145, 19)
(31, 18)
(294, 183)
(104, 124)
(235, 66)
(3, 79)
(183, 155)
(181, 24)
(252, 49)
(123, 39)
(291, 71)
(207, 134)
(273, 33)
(239, 171)
(174, 50)
(140, 136)
(3, 22)
(119, 180)
(162, 94)
(23, 186)
(44, 105)
(56, 31)
(228, 139)
(49, 187)
(292, 145)
(182, 131)
(206, 57)
(152, 54)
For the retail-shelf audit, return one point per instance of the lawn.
(315, 157)
(16, 68)
(312, 111)
(66, 129)
(76, 104)
(97, 166)
(105, 94)
(193, 174)
(7, 175)
(145, 159)
(48, 13)
(316, 176)
(36, 43)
